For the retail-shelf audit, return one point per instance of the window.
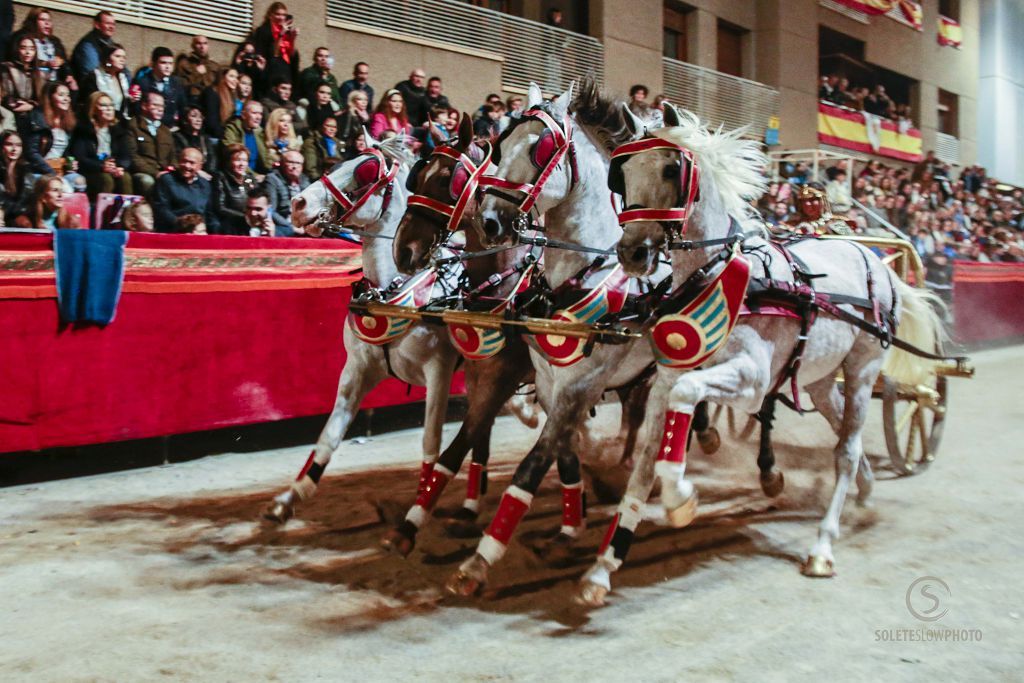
(730, 49)
(949, 105)
(674, 43)
(950, 9)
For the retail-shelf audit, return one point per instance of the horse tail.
(920, 324)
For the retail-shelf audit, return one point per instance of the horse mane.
(602, 115)
(729, 164)
(397, 149)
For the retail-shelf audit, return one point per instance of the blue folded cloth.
(90, 270)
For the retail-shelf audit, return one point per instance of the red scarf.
(285, 42)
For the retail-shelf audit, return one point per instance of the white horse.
(556, 164)
(371, 188)
(660, 187)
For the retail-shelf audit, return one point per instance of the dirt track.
(163, 574)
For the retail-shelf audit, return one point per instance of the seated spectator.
(250, 64)
(48, 128)
(138, 217)
(113, 79)
(51, 57)
(358, 82)
(152, 144)
(275, 41)
(391, 116)
(230, 189)
(280, 135)
(246, 89)
(101, 146)
(247, 130)
(182, 196)
(435, 98)
(192, 133)
(319, 74)
(16, 179)
(321, 107)
(414, 92)
(283, 184)
(197, 70)
(838, 194)
(779, 215)
(355, 117)
(437, 130)
(46, 207)
(486, 128)
(322, 149)
(158, 79)
(279, 97)
(638, 98)
(21, 82)
(257, 213)
(221, 102)
(87, 53)
(452, 122)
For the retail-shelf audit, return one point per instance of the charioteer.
(814, 214)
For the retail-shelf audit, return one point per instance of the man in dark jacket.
(152, 145)
(359, 81)
(435, 98)
(414, 92)
(319, 74)
(86, 56)
(158, 79)
(182, 195)
(283, 185)
(196, 70)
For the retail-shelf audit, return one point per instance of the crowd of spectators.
(210, 147)
(947, 217)
(837, 90)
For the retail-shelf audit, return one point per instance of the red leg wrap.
(608, 535)
(476, 471)
(430, 490)
(572, 506)
(673, 438)
(426, 469)
(505, 521)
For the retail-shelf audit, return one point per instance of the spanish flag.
(872, 7)
(850, 129)
(950, 34)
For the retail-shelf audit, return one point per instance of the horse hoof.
(470, 579)
(399, 541)
(772, 483)
(684, 514)
(463, 525)
(709, 440)
(278, 512)
(591, 594)
(818, 567)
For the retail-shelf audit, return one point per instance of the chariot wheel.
(913, 420)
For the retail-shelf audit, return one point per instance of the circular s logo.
(925, 598)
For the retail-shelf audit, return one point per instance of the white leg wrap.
(417, 515)
(491, 549)
(471, 505)
(304, 488)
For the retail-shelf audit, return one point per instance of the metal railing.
(947, 148)
(220, 18)
(719, 98)
(548, 56)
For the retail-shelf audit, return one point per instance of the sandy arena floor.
(165, 574)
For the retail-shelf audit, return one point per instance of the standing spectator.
(197, 70)
(435, 98)
(113, 78)
(101, 146)
(359, 81)
(230, 189)
(46, 207)
(87, 53)
(51, 57)
(319, 74)
(247, 131)
(182, 197)
(391, 116)
(251, 64)
(322, 149)
(638, 99)
(281, 137)
(257, 213)
(878, 103)
(20, 80)
(275, 41)
(16, 179)
(221, 102)
(838, 194)
(320, 108)
(159, 79)
(152, 144)
(284, 184)
(192, 133)
(48, 129)
(356, 117)
(827, 86)
(414, 92)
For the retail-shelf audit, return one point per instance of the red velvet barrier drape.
(988, 301)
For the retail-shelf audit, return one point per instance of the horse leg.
(859, 379)
(772, 481)
(707, 436)
(490, 383)
(362, 371)
(556, 438)
(829, 401)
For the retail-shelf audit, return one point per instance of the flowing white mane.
(731, 167)
(395, 148)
